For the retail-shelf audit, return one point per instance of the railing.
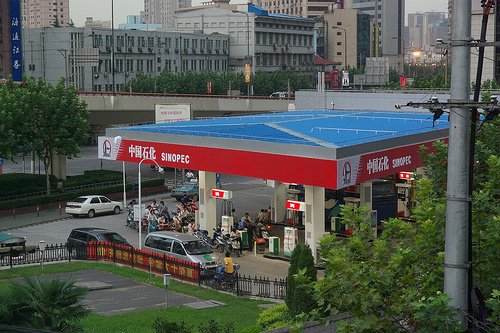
(109, 93)
(256, 286)
(145, 260)
(67, 189)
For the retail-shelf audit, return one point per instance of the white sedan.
(92, 204)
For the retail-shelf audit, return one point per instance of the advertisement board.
(171, 113)
(15, 40)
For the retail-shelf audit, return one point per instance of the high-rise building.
(389, 17)
(162, 11)
(91, 23)
(45, 13)
(425, 28)
(302, 8)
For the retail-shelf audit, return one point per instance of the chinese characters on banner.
(15, 39)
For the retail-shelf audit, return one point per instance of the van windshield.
(197, 247)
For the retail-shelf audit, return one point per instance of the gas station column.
(208, 204)
(314, 216)
(279, 202)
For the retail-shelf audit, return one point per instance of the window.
(177, 248)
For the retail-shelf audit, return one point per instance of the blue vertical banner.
(15, 40)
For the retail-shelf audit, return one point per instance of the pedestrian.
(235, 235)
(242, 225)
(163, 208)
(217, 180)
(189, 175)
(60, 187)
(235, 218)
(250, 233)
(191, 227)
(229, 263)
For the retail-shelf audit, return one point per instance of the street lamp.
(345, 44)
(113, 48)
(160, 170)
(249, 60)
(402, 53)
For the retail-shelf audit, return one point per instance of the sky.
(101, 9)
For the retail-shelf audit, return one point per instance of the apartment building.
(45, 13)
(302, 8)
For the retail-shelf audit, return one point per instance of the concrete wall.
(361, 100)
(106, 110)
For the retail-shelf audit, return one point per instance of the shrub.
(162, 325)
(275, 317)
(290, 281)
(252, 329)
(214, 327)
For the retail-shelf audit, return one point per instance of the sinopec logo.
(346, 173)
(106, 148)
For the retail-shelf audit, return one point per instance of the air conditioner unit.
(96, 75)
(217, 51)
(283, 49)
(185, 51)
(158, 59)
(130, 49)
(176, 50)
(194, 50)
(202, 50)
(167, 50)
(119, 48)
(108, 48)
(150, 49)
(126, 73)
(105, 74)
(287, 45)
(232, 68)
(139, 49)
(225, 51)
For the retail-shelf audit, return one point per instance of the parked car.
(184, 247)
(189, 188)
(82, 236)
(92, 204)
(11, 242)
(79, 237)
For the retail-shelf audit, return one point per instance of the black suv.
(79, 237)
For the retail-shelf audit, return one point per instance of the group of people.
(254, 227)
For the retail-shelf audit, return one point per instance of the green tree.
(303, 289)
(55, 121)
(291, 284)
(50, 304)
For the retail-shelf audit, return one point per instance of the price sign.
(222, 194)
(296, 205)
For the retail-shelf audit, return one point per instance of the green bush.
(213, 327)
(275, 317)
(23, 183)
(33, 201)
(162, 325)
(252, 329)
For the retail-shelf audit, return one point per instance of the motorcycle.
(130, 218)
(232, 245)
(218, 241)
(225, 281)
(203, 235)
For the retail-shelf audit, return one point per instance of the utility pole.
(456, 261)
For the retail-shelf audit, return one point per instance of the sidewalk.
(30, 219)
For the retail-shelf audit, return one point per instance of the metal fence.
(145, 260)
(251, 286)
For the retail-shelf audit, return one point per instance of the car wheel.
(75, 215)
(195, 197)
(91, 213)
(116, 210)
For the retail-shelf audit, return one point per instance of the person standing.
(189, 175)
(235, 218)
(229, 263)
(217, 180)
(250, 231)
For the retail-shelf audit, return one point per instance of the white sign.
(108, 147)
(345, 78)
(172, 113)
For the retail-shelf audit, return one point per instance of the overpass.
(107, 109)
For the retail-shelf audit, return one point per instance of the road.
(249, 195)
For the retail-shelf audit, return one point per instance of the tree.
(308, 274)
(290, 280)
(41, 118)
(51, 304)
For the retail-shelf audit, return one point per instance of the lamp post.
(345, 44)
(402, 54)
(113, 47)
(249, 60)
(160, 170)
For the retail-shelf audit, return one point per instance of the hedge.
(33, 201)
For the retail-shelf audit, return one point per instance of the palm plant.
(51, 304)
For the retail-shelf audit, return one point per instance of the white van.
(184, 247)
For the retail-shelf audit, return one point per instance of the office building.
(45, 13)
(302, 8)
(84, 56)
(162, 11)
(266, 41)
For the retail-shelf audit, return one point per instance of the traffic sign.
(406, 175)
(1, 161)
(296, 205)
(222, 194)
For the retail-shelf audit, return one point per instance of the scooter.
(203, 235)
(219, 242)
(130, 218)
(225, 281)
(232, 245)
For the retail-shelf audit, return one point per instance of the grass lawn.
(241, 311)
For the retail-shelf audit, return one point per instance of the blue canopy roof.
(324, 128)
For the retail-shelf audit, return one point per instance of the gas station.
(325, 149)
